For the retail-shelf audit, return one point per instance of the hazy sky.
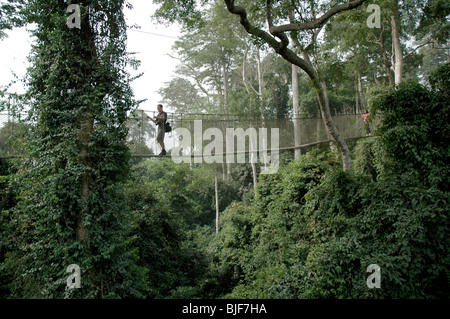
(151, 49)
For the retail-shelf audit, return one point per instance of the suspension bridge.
(142, 132)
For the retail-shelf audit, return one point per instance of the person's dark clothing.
(160, 121)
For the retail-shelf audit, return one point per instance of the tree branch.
(247, 85)
(415, 49)
(240, 11)
(296, 9)
(317, 23)
(285, 52)
(194, 74)
(272, 29)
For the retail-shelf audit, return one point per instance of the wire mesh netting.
(14, 130)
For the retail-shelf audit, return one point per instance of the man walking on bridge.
(160, 121)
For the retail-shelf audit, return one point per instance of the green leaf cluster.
(313, 229)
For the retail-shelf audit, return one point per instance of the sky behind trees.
(152, 43)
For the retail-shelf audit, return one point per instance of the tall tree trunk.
(397, 54)
(375, 76)
(356, 94)
(260, 83)
(361, 93)
(216, 191)
(324, 105)
(226, 99)
(333, 147)
(385, 59)
(261, 100)
(84, 134)
(253, 157)
(225, 86)
(295, 101)
(255, 178)
(244, 68)
(86, 129)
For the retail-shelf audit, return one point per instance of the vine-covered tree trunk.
(385, 59)
(70, 183)
(86, 130)
(86, 127)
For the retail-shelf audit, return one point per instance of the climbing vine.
(70, 196)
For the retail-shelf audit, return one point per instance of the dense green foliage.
(415, 130)
(146, 228)
(70, 205)
(314, 229)
(173, 212)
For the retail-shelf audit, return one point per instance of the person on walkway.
(160, 121)
(366, 117)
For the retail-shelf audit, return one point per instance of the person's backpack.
(167, 127)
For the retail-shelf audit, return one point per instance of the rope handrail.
(280, 149)
(213, 116)
(225, 154)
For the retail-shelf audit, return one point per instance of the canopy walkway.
(142, 133)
